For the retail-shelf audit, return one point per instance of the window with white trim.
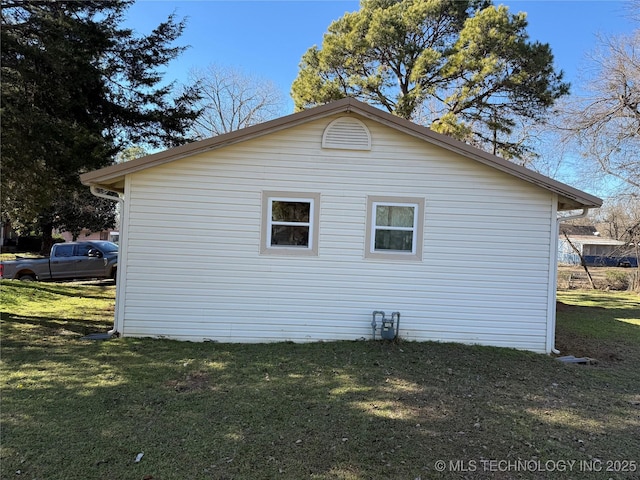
(394, 228)
(290, 223)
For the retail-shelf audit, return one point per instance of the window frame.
(418, 228)
(61, 247)
(80, 249)
(268, 197)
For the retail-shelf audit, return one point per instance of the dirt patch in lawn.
(574, 336)
(581, 346)
(192, 382)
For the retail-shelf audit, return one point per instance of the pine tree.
(463, 67)
(76, 89)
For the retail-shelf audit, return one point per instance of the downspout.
(94, 191)
(554, 268)
(120, 200)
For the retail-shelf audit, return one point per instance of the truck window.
(82, 250)
(63, 251)
(106, 247)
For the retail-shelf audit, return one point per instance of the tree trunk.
(635, 279)
(47, 237)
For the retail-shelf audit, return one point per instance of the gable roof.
(579, 230)
(112, 177)
(586, 235)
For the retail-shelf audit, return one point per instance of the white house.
(596, 250)
(301, 227)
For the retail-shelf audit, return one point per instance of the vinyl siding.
(194, 269)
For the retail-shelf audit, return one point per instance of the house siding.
(194, 269)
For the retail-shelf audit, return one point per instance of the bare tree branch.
(605, 123)
(232, 99)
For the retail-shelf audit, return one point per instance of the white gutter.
(553, 284)
(94, 191)
(120, 200)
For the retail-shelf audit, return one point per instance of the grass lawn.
(78, 409)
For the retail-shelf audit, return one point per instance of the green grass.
(30, 309)
(601, 315)
(77, 409)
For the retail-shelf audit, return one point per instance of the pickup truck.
(68, 261)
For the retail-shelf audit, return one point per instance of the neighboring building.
(84, 235)
(299, 228)
(108, 235)
(596, 251)
(8, 238)
(11, 241)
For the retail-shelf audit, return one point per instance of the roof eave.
(115, 173)
(569, 198)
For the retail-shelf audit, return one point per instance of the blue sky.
(267, 38)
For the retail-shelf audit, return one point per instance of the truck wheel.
(27, 278)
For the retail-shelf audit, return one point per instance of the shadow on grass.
(338, 410)
(358, 410)
(49, 325)
(601, 299)
(598, 333)
(101, 289)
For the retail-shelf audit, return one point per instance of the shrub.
(617, 280)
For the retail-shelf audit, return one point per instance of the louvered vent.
(346, 133)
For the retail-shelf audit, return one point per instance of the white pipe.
(120, 200)
(559, 220)
(94, 191)
(585, 212)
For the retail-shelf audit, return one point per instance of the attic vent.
(346, 133)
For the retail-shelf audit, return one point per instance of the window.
(394, 228)
(82, 249)
(290, 223)
(64, 251)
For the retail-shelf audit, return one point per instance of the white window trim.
(267, 203)
(377, 227)
(418, 228)
(271, 223)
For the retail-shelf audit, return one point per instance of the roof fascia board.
(105, 175)
(456, 146)
(346, 105)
